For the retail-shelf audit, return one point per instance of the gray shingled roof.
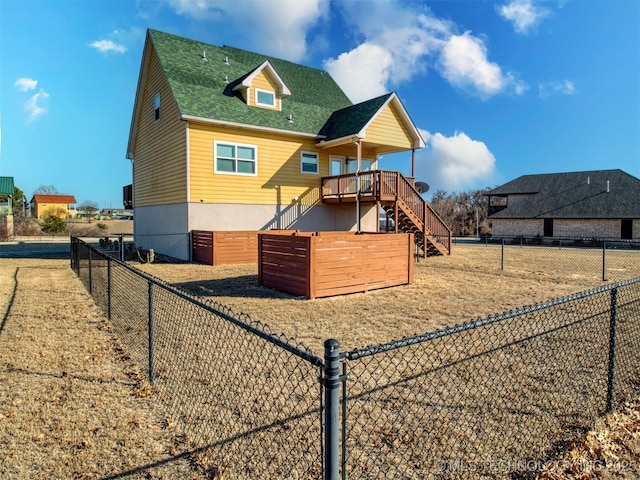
(204, 89)
(572, 195)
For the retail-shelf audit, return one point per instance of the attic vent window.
(265, 98)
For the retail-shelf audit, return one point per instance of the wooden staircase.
(412, 214)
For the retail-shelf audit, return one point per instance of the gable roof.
(41, 198)
(572, 195)
(205, 81)
(6, 185)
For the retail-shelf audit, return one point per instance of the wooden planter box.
(324, 264)
(228, 247)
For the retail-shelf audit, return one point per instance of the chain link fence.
(249, 402)
(492, 398)
(571, 258)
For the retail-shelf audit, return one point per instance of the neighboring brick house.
(602, 204)
(42, 204)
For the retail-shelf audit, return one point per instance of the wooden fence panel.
(334, 263)
(228, 247)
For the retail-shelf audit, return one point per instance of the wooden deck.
(398, 197)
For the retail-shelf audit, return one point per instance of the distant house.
(226, 139)
(592, 204)
(44, 204)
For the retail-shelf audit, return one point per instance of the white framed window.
(309, 162)
(156, 107)
(265, 98)
(235, 158)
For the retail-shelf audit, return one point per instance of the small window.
(265, 98)
(309, 162)
(235, 158)
(156, 107)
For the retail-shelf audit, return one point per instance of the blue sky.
(497, 89)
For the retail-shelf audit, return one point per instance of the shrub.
(101, 226)
(52, 224)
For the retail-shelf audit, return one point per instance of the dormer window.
(265, 98)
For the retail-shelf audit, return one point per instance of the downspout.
(413, 163)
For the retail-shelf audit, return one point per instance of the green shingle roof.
(204, 89)
(6, 185)
(352, 119)
(572, 195)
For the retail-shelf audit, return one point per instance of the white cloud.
(278, 27)
(524, 14)
(563, 87)
(373, 66)
(465, 65)
(454, 163)
(414, 40)
(25, 84)
(108, 46)
(36, 105)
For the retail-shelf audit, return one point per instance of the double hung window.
(235, 158)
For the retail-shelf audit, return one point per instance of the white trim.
(257, 91)
(317, 155)
(224, 172)
(246, 83)
(248, 127)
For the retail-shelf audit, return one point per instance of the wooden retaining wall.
(227, 247)
(324, 264)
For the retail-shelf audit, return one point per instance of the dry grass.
(72, 405)
(446, 291)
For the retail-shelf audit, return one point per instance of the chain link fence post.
(109, 288)
(612, 350)
(150, 330)
(604, 261)
(502, 255)
(331, 409)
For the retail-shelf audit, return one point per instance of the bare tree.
(88, 209)
(46, 190)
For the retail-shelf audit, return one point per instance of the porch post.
(359, 147)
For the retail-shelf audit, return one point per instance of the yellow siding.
(278, 162)
(389, 129)
(160, 153)
(44, 209)
(263, 82)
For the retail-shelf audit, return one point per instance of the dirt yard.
(73, 405)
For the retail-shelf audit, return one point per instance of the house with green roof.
(226, 139)
(603, 204)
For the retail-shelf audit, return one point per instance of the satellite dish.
(422, 187)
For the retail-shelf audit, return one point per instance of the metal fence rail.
(492, 398)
